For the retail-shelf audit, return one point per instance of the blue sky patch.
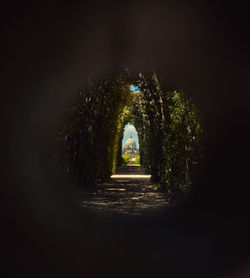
(134, 88)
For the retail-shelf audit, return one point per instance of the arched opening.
(130, 146)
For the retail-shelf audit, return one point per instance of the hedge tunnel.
(168, 124)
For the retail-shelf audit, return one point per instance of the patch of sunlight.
(131, 176)
(115, 189)
(137, 198)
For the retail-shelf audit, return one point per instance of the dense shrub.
(170, 135)
(125, 159)
(88, 142)
(137, 160)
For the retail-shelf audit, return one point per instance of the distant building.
(130, 147)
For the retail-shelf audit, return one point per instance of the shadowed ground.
(129, 192)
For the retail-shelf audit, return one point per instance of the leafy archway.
(169, 129)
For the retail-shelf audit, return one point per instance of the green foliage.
(88, 142)
(137, 160)
(170, 135)
(125, 159)
(168, 125)
(131, 158)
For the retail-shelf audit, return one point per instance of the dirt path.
(129, 192)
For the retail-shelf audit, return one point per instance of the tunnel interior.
(89, 145)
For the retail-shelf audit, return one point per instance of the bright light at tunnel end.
(131, 176)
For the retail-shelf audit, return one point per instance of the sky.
(130, 130)
(134, 89)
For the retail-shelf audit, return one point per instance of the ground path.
(129, 192)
